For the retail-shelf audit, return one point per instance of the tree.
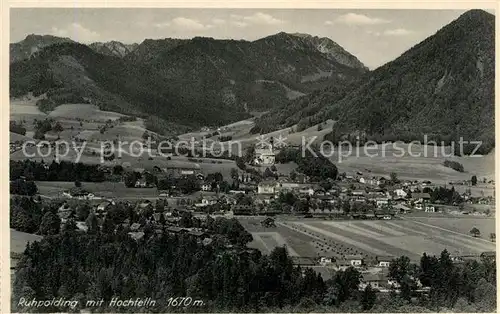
(301, 206)
(475, 232)
(249, 154)
(428, 270)
(234, 173)
(399, 268)
(346, 283)
(108, 227)
(473, 180)
(92, 224)
(188, 184)
(268, 173)
(51, 224)
(368, 298)
(162, 220)
(493, 237)
(58, 128)
(394, 177)
(240, 163)
(69, 225)
(118, 170)
(78, 184)
(485, 296)
(131, 178)
(150, 178)
(82, 211)
(22, 187)
(17, 128)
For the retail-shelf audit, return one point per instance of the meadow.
(411, 237)
(118, 190)
(19, 240)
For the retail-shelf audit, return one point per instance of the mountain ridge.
(200, 81)
(443, 86)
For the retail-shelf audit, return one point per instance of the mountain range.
(200, 81)
(442, 87)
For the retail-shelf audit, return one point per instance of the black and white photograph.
(251, 160)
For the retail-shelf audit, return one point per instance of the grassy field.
(19, 240)
(266, 239)
(410, 237)
(84, 112)
(100, 189)
(25, 109)
(461, 225)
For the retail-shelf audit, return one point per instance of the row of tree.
(56, 171)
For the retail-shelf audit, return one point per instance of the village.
(179, 198)
(180, 194)
(263, 192)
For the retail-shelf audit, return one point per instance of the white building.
(325, 261)
(266, 187)
(384, 261)
(206, 187)
(400, 193)
(264, 156)
(355, 260)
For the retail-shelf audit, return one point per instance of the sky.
(374, 36)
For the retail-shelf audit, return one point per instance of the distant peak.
(303, 35)
(478, 13)
(36, 36)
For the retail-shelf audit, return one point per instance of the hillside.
(443, 86)
(202, 81)
(113, 48)
(32, 44)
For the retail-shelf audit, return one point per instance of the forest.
(106, 262)
(56, 171)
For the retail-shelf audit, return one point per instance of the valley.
(272, 174)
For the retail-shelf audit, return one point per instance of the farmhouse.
(303, 261)
(176, 230)
(489, 255)
(206, 187)
(266, 187)
(325, 260)
(402, 208)
(103, 208)
(78, 194)
(307, 191)
(200, 234)
(355, 260)
(342, 264)
(242, 209)
(64, 211)
(206, 201)
(263, 199)
(376, 281)
(182, 170)
(144, 205)
(136, 235)
(381, 201)
(384, 261)
(420, 197)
